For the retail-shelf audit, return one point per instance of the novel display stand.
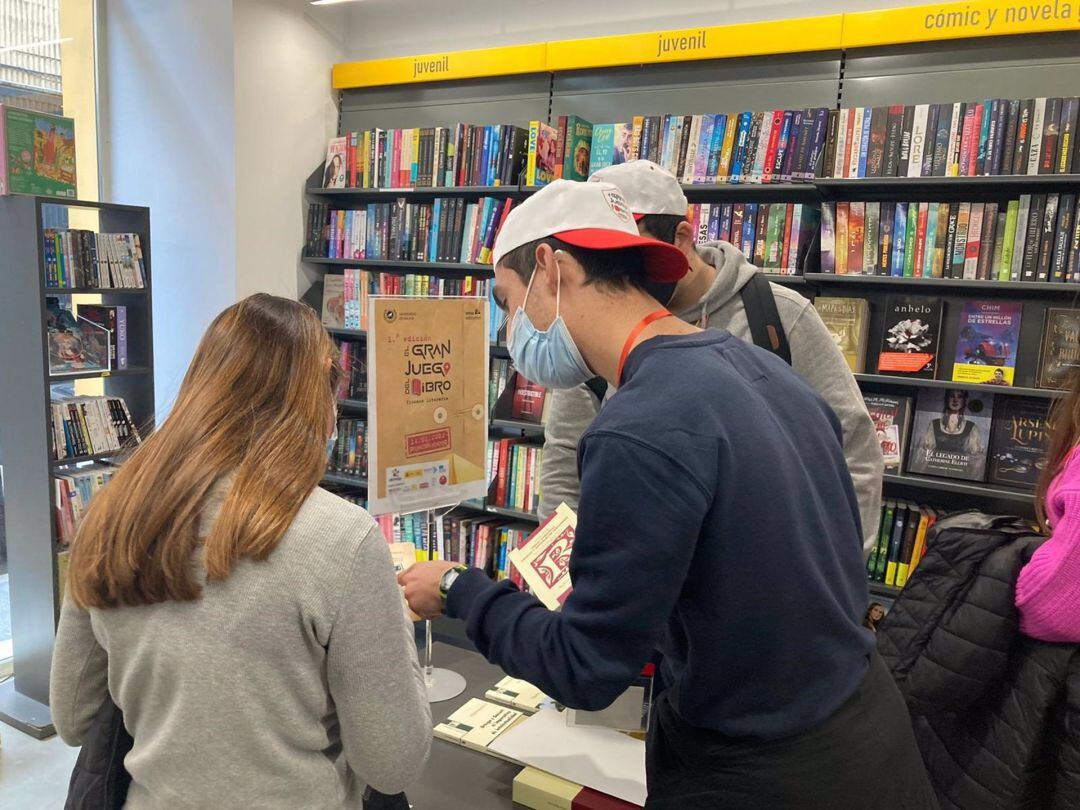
(442, 684)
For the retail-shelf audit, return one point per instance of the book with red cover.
(920, 240)
(774, 144)
(528, 405)
(856, 227)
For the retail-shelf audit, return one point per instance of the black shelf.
(55, 379)
(516, 424)
(71, 460)
(753, 192)
(1046, 288)
(916, 382)
(973, 488)
(881, 589)
(355, 405)
(516, 514)
(341, 331)
(786, 280)
(836, 188)
(382, 194)
(390, 264)
(345, 480)
(95, 290)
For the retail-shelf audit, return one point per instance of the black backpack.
(99, 780)
(761, 314)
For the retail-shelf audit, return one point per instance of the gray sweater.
(290, 684)
(813, 354)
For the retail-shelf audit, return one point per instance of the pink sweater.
(1048, 590)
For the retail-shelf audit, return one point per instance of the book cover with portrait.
(951, 434)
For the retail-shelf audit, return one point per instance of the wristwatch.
(448, 577)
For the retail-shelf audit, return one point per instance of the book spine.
(927, 267)
(1070, 115)
(870, 238)
(960, 248)
(764, 134)
(724, 170)
(885, 237)
(828, 156)
(974, 241)
(1008, 145)
(986, 242)
(1009, 240)
(842, 155)
(918, 139)
(1032, 237)
(864, 141)
(854, 146)
(1036, 136)
(921, 225)
(906, 130)
(1072, 269)
(899, 239)
(912, 233)
(789, 167)
(999, 246)
(1046, 237)
(1062, 234)
(1051, 133)
(929, 140)
(979, 132)
(986, 162)
(1020, 238)
(966, 137)
(893, 125)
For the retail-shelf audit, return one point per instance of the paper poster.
(427, 402)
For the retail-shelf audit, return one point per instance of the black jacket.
(996, 714)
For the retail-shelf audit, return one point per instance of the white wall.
(285, 113)
(167, 139)
(382, 28)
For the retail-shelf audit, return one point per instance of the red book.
(527, 497)
(846, 167)
(920, 240)
(501, 465)
(774, 145)
(976, 138)
(528, 405)
(560, 147)
(965, 141)
(787, 236)
(855, 236)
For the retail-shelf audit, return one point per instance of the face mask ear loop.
(558, 288)
(524, 303)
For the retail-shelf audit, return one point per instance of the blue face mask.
(549, 358)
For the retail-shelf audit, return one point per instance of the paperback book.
(76, 344)
(544, 561)
(1020, 439)
(912, 335)
(1059, 355)
(892, 417)
(847, 320)
(951, 434)
(517, 694)
(335, 173)
(986, 345)
(478, 724)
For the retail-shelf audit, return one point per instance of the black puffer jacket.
(996, 714)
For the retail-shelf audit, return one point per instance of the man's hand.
(421, 584)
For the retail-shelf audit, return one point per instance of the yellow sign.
(427, 394)
(716, 42)
(982, 18)
(861, 29)
(437, 67)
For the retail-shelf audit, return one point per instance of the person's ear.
(684, 237)
(547, 269)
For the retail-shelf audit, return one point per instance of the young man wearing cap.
(717, 523)
(710, 295)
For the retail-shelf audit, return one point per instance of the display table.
(456, 777)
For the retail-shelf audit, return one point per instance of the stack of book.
(959, 139)
(450, 229)
(458, 155)
(483, 542)
(85, 259)
(514, 473)
(1033, 238)
(774, 236)
(73, 492)
(349, 456)
(346, 295)
(353, 358)
(83, 426)
(901, 541)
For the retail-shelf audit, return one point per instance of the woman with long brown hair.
(1048, 588)
(246, 622)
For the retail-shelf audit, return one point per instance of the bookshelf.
(26, 451)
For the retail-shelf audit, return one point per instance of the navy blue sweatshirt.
(718, 524)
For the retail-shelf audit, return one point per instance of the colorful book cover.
(1019, 442)
(847, 320)
(842, 238)
(986, 344)
(891, 416)
(334, 173)
(1059, 354)
(622, 138)
(602, 149)
(856, 236)
(76, 344)
(899, 238)
(37, 153)
(951, 434)
(912, 334)
(575, 164)
(828, 237)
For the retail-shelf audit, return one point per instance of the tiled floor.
(33, 773)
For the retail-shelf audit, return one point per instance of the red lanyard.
(653, 316)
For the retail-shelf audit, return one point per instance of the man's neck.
(694, 285)
(602, 334)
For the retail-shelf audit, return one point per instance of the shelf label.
(437, 67)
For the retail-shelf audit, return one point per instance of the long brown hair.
(255, 403)
(1064, 434)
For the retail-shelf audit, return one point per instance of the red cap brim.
(663, 262)
(639, 217)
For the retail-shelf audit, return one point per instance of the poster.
(427, 402)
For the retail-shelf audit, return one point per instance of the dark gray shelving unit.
(886, 380)
(26, 450)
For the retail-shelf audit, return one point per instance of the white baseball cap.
(648, 188)
(586, 215)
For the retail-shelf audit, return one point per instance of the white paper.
(599, 758)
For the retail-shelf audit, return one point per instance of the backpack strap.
(598, 386)
(763, 317)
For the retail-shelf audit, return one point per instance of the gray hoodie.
(813, 354)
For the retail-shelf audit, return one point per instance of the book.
(544, 560)
(529, 401)
(848, 321)
(477, 725)
(114, 319)
(987, 341)
(912, 332)
(37, 153)
(333, 301)
(539, 790)
(577, 148)
(951, 433)
(602, 147)
(892, 417)
(335, 172)
(1019, 442)
(541, 161)
(75, 344)
(517, 694)
(1059, 353)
